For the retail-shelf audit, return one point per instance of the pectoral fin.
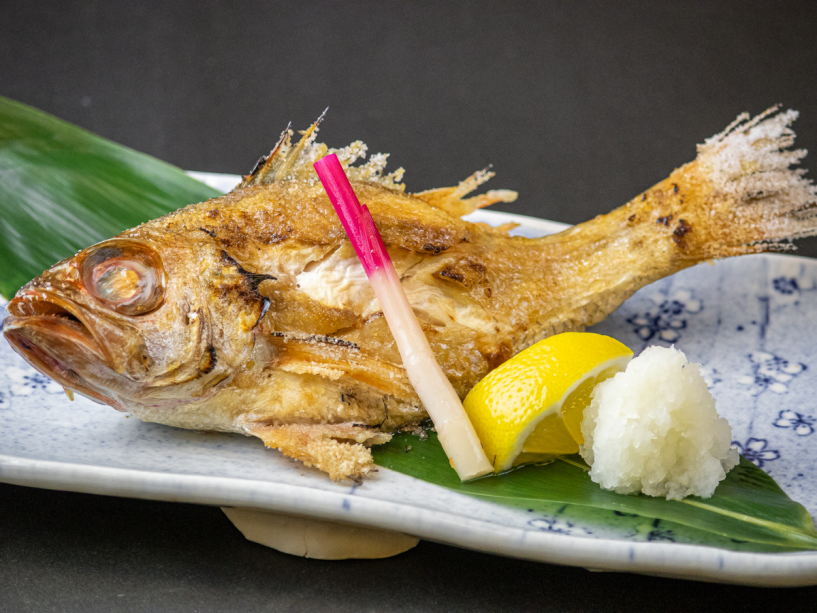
(338, 449)
(333, 358)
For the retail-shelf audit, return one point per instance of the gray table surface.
(578, 105)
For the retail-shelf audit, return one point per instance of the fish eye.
(126, 276)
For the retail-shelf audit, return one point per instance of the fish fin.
(288, 162)
(333, 358)
(265, 164)
(452, 201)
(341, 450)
(500, 230)
(760, 199)
(740, 195)
(491, 197)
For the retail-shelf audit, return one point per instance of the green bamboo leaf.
(63, 188)
(747, 506)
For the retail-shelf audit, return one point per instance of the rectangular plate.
(746, 320)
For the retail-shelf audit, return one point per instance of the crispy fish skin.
(267, 325)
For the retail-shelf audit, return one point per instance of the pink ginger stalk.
(455, 431)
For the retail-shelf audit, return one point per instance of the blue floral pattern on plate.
(786, 285)
(770, 372)
(756, 451)
(664, 320)
(803, 425)
(558, 526)
(25, 381)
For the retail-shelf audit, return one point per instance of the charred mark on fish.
(208, 360)
(465, 273)
(277, 237)
(253, 278)
(210, 233)
(498, 355)
(682, 229)
(452, 274)
(316, 338)
(435, 249)
(664, 220)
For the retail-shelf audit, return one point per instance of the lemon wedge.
(530, 408)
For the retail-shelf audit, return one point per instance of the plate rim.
(675, 560)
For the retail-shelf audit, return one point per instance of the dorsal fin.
(285, 158)
(288, 162)
(265, 163)
(450, 199)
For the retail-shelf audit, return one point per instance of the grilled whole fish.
(250, 313)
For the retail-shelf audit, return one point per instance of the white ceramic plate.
(749, 321)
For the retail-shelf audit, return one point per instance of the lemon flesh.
(530, 408)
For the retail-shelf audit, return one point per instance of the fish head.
(145, 320)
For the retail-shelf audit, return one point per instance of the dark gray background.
(578, 105)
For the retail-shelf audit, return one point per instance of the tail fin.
(740, 195)
(757, 201)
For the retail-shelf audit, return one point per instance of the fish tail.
(743, 192)
(740, 195)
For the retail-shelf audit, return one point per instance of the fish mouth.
(51, 334)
